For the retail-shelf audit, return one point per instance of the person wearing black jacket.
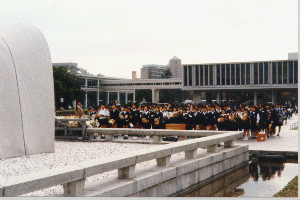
(187, 119)
(114, 114)
(157, 119)
(273, 119)
(135, 115)
(146, 116)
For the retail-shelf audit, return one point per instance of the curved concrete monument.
(27, 93)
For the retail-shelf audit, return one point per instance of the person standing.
(114, 116)
(157, 119)
(135, 115)
(103, 116)
(78, 110)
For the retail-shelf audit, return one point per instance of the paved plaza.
(286, 142)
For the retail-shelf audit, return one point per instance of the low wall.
(163, 182)
(156, 133)
(192, 169)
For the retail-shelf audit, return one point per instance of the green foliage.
(67, 86)
(167, 74)
(140, 94)
(290, 190)
(173, 95)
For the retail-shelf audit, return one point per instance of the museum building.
(262, 81)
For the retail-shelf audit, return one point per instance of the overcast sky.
(116, 37)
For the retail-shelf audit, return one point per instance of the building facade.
(175, 67)
(153, 71)
(238, 82)
(265, 81)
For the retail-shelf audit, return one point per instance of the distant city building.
(293, 56)
(133, 74)
(154, 71)
(175, 67)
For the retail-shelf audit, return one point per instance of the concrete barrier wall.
(73, 177)
(164, 182)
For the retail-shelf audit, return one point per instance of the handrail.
(156, 133)
(72, 176)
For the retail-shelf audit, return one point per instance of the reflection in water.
(224, 186)
(259, 179)
(266, 170)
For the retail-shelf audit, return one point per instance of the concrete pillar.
(164, 161)
(255, 97)
(212, 148)
(157, 138)
(1, 191)
(228, 144)
(86, 83)
(155, 95)
(126, 172)
(85, 101)
(109, 137)
(118, 96)
(74, 189)
(218, 97)
(98, 97)
(191, 154)
(107, 97)
(274, 97)
(134, 95)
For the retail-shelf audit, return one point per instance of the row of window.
(131, 84)
(283, 72)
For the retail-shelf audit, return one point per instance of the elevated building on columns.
(274, 81)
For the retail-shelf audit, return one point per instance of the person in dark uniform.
(210, 121)
(157, 119)
(273, 119)
(246, 124)
(121, 117)
(135, 115)
(254, 121)
(205, 120)
(146, 118)
(263, 119)
(114, 116)
(186, 119)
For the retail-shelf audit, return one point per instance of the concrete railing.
(156, 133)
(72, 177)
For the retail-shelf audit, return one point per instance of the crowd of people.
(249, 118)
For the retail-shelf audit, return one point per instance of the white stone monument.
(27, 116)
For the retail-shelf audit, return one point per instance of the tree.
(67, 86)
(173, 96)
(167, 74)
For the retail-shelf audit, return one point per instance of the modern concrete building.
(134, 75)
(153, 71)
(238, 82)
(175, 67)
(268, 81)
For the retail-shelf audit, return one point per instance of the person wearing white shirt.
(103, 114)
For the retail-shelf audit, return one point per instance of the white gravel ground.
(67, 153)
